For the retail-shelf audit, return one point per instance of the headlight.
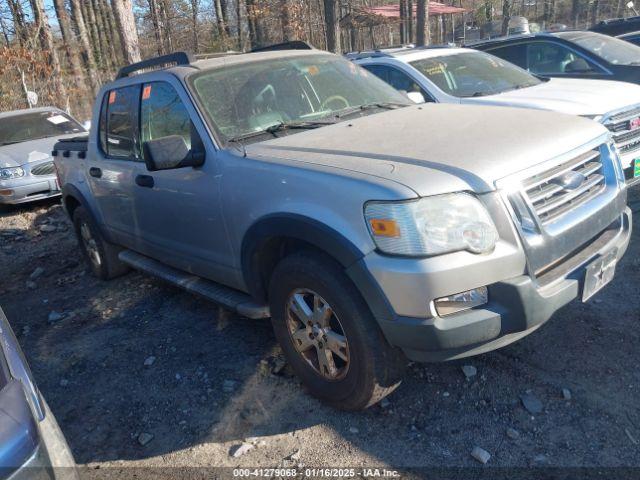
(431, 225)
(13, 172)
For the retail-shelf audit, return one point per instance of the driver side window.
(552, 58)
(162, 113)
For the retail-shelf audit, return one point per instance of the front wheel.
(328, 334)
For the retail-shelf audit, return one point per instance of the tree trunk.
(195, 10)
(19, 27)
(46, 41)
(410, 20)
(595, 6)
(332, 26)
(70, 45)
(157, 26)
(110, 32)
(93, 30)
(166, 25)
(86, 50)
(256, 32)
(103, 39)
(127, 30)
(239, 25)
(506, 16)
(575, 12)
(422, 23)
(285, 21)
(5, 32)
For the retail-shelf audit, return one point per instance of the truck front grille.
(625, 127)
(561, 189)
(43, 169)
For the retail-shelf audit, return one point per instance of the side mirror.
(416, 97)
(579, 65)
(166, 153)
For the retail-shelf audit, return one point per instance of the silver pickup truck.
(295, 185)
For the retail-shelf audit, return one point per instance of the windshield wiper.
(305, 125)
(278, 127)
(368, 106)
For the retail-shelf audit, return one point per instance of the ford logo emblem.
(570, 180)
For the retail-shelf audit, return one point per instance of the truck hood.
(436, 148)
(17, 154)
(566, 95)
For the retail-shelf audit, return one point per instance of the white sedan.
(461, 75)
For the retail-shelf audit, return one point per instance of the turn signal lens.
(384, 227)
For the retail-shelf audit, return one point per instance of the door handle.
(145, 181)
(95, 172)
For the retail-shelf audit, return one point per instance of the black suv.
(570, 54)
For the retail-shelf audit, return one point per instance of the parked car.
(632, 37)
(297, 185)
(462, 75)
(26, 140)
(31, 443)
(569, 54)
(617, 26)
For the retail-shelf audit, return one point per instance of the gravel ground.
(139, 373)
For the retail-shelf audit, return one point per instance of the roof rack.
(157, 63)
(292, 45)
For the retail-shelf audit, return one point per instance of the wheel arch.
(274, 236)
(72, 198)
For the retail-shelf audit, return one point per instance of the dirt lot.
(139, 373)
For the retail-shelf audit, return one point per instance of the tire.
(365, 367)
(100, 255)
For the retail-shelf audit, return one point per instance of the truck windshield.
(474, 74)
(247, 98)
(613, 50)
(34, 125)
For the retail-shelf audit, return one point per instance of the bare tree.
(127, 29)
(70, 44)
(154, 13)
(506, 16)
(195, 10)
(423, 34)
(285, 20)
(19, 25)
(46, 42)
(332, 26)
(86, 49)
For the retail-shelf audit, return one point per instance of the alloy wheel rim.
(90, 245)
(317, 334)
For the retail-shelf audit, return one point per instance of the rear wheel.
(328, 334)
(101, 256)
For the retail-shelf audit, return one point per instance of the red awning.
(393, 10)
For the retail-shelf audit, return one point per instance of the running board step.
(228, 297)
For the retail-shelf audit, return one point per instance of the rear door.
(112, 169)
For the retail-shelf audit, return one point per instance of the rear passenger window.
(163, 114)
(120, 123)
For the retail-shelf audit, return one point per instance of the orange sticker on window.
(112, 96)
(146, 92)
(313, 70)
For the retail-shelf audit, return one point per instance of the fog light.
(6, 193)
(461, 301)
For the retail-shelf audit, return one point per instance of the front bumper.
(28, 189)
(517, 306)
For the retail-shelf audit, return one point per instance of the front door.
(178, 211)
